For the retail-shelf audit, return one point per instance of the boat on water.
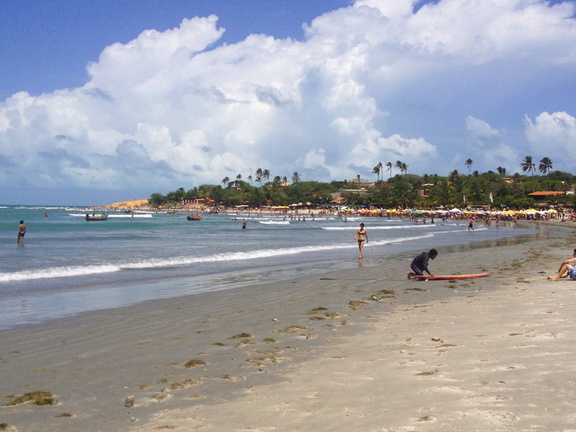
(96, 217)
(194, 217)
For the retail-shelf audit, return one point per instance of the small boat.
(96, 217)
(194, 217)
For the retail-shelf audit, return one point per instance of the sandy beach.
(363, 349)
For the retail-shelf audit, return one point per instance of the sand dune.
(128, 204)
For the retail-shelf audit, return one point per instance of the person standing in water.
(21, 233)
(362, 237)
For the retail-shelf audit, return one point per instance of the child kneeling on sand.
(419, 265)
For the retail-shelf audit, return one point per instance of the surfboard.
(444, 277)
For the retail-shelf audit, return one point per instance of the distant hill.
(128, 204)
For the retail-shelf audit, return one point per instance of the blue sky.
(113, 100)
(49, 43)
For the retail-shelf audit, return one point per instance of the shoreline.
(260, 350)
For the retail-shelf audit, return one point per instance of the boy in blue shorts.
(567, 268)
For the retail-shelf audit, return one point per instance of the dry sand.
(128, 204)
(355, 350)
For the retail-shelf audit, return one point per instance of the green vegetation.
(402, 189)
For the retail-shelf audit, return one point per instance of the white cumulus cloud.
(379, 81)
(552, 134)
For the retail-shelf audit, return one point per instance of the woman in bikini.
(362, 237)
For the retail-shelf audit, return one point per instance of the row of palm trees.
(545, 165)
(378, 169)
(260, 176)
(527, 165)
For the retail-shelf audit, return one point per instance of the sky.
(119, 99)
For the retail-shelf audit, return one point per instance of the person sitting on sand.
(419, 265)
(361, 236)
(567, 268)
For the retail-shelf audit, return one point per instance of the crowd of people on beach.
(419, 264)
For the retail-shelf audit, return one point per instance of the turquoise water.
(69, 265)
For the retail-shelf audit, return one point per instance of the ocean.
(69, 265)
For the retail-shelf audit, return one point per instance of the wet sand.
(363, 349)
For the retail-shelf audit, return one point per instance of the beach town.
(354, 215)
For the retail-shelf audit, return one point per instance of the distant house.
(423, 190)
(542, 196)
(339, 200)
(340, 196)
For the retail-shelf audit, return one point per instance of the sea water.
(69, 265)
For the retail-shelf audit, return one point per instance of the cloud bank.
(380, 81)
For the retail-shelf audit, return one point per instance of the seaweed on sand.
(194, 362)
(241, 336)
(292, 329)
(356, 305)
(316, 310)
(36, 397)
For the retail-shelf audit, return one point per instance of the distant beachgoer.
(362, 237)
(471, 224)
(244, 223)
(21, 233)
(419, 265)
(567, 268)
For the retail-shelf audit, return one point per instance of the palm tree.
(528, 165)
(377, 170)
(402, 166)
(259, 175)
(545, 165)
(501, 171)
(453, 176)
(469, 163)
(399, 165)
(266, 174)
(295, 177)
(225, 181)
(389, 168)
